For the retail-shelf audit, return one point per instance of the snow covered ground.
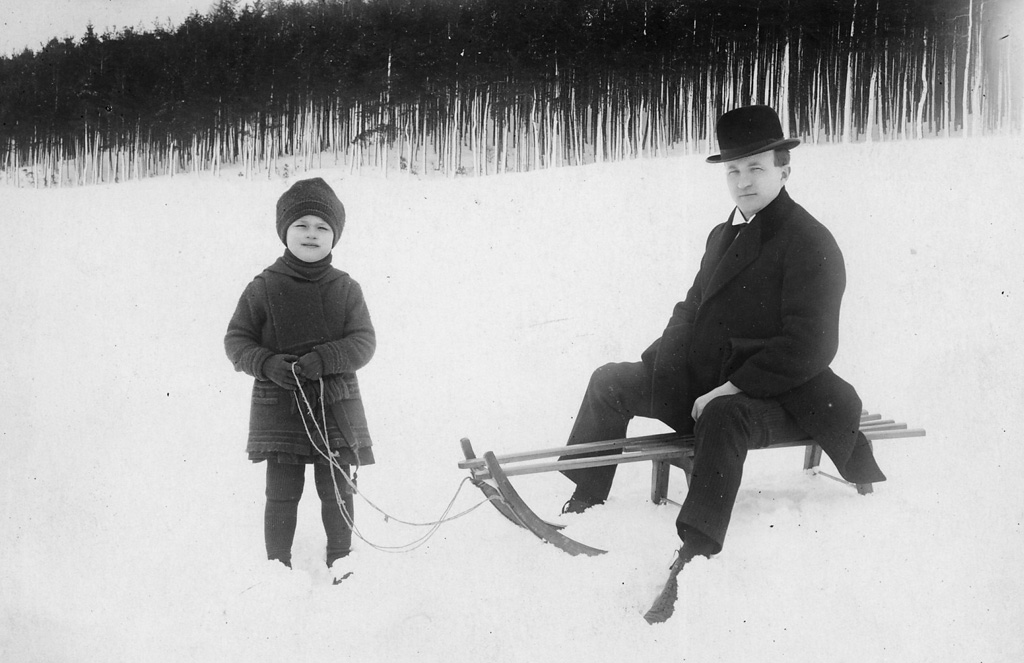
(131, 521)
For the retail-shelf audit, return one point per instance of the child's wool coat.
(275, 426)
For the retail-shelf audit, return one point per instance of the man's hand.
(727, 389)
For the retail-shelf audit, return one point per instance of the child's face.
(309, 238)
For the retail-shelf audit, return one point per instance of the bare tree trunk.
(784, 91)
(872, 103)
(967, 70)
(924, 89)
(848, 131)
(978, 98)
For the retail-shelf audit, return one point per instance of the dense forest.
(485, 86)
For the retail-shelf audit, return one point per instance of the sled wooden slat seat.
(663, 451)
(491, 472)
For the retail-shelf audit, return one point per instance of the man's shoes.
(861, 467)
(579, 502)
(665, 604)
(575, 505)
(695, 544)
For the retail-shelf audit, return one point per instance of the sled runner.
(491, 473)
(508, 502)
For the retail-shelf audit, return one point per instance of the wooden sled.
(491, 473)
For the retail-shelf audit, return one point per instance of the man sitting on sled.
(744, 360)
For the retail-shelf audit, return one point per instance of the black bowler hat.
(750, 130)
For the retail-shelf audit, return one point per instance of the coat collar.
(320, 271)
(747, 247)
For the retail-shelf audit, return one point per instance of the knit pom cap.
(312, 196)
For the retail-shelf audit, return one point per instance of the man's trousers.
(727, 428)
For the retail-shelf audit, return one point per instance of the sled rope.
(349, 520)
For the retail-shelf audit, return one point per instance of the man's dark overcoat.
(763, 313)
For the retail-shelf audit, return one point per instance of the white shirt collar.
(738, 220)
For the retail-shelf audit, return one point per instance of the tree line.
(484, 86)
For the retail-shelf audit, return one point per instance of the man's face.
(755, 181)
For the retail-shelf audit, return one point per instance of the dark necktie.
(734, 232)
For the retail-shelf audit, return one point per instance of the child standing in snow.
(302, 330)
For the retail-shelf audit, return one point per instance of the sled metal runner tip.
(510, 504)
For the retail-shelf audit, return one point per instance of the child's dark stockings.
(284, 488)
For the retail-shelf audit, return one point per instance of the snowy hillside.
(131, 521)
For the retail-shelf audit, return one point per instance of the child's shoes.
(341, 569)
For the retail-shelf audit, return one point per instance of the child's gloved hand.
(311, 366)
(278, 369)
